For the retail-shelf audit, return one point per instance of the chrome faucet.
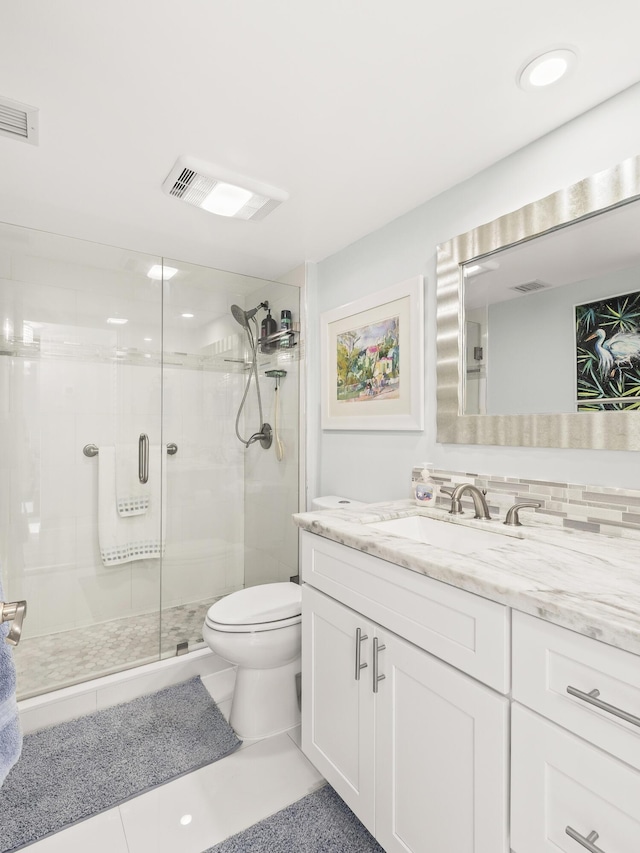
(479, 501)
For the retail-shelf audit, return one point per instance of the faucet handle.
(448, 490)
(13, 611)
(513, 519)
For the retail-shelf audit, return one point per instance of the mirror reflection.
(552, 324)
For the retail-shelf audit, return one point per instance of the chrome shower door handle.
(13, 611)
(377, 647)
(143, 457)
(360, 638)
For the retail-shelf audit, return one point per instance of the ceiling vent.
(530, 286)
(18, 121)
(219, 191)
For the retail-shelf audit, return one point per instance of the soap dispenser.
(425, 488)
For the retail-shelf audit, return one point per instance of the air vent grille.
(13, 121)
(530, 286)
(18, 121)
(192, 187)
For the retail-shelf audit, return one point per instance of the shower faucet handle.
(13, 611)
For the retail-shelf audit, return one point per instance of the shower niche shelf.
(284, 339)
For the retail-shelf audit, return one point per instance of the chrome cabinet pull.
(592, 699)
(586, 842)
(13, 611)
(143, 457)
(377, 647)
(360, 638)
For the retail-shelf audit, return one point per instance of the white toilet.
(259, 630)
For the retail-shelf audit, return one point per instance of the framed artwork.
(608, 354)
(372, 361)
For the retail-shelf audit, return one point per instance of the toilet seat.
(266, 607)
(252, 627)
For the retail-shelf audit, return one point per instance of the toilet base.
(265, 701)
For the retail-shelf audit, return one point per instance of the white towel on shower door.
(124, 539)
(132, 496)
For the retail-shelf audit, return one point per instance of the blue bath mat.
(319, 823)
(77, 769)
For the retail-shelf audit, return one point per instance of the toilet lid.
(264, 603)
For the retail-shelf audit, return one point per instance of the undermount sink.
(441, 534)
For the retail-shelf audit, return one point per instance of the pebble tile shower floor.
(69, 657)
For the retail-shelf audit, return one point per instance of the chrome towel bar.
(93, 450)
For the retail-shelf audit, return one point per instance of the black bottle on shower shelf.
(268, 327)
(286, 325)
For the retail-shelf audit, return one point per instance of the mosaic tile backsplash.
(597, 509)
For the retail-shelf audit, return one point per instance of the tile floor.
(58, 660)
(201, 809)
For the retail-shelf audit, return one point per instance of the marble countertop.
(587, 582)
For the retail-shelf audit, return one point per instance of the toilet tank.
(334, 502)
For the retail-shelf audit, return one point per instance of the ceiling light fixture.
(220, 191)
(117, 321)
(187, 316)
(158, 272)
(546, 68)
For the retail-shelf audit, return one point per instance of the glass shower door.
(80, 381)
(229, 506)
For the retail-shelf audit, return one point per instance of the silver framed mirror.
(480, 405)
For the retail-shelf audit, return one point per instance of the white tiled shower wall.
(271, 487)
(53, 556)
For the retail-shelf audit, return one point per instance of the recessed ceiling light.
(546, 69)
(186, 819)
(159, 272)
(117, 321)
(187, 316)
(148, 339)
(220, 191)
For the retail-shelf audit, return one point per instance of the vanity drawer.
(465, 630)
(560, 781)
(548, 659)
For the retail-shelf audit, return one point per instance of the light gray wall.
(374, 466)
(532, 356)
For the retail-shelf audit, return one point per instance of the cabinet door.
(337, 708)
(441, 756)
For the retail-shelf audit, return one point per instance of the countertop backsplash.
(596, 509)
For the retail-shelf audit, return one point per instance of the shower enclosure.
(104, 349)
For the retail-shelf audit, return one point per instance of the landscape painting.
(368, 362)
(608, 353)
(360, 344)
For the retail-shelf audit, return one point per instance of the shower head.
(241, 316)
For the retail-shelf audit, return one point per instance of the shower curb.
(68, 703)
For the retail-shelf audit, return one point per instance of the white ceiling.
(360, 109)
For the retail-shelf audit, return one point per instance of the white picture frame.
(372, 361)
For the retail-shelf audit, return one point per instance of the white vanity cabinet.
(573, 793)
(415, 747)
